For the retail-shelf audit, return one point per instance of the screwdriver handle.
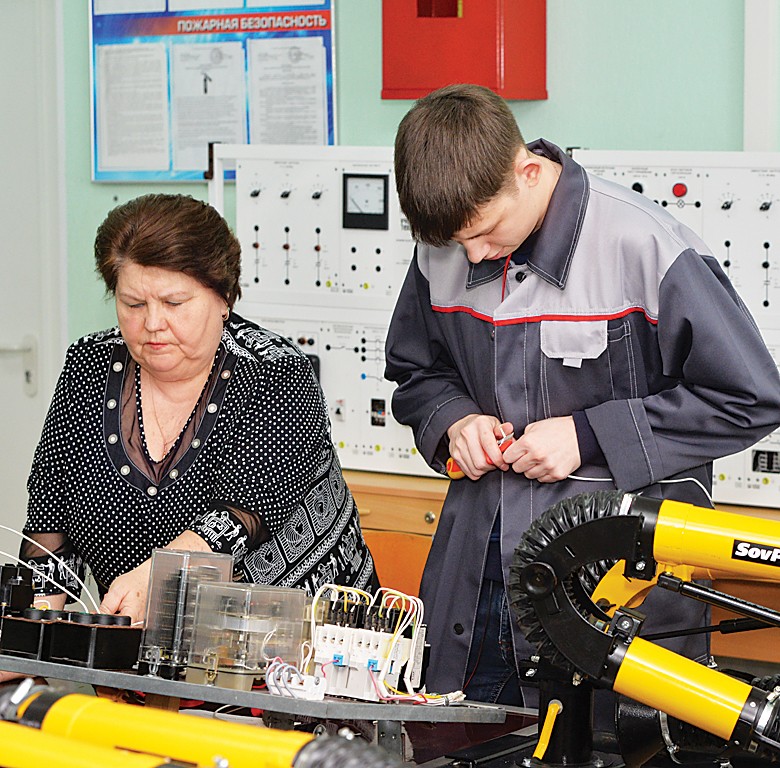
(454, 472)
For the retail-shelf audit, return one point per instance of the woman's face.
(171, 323)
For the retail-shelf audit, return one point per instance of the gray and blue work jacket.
(620, 312)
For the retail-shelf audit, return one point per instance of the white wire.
(48, 578)
(690, 480)
(313, 626)
(660, 482)
(275, 678)
(304, 645)
(591, 479)
(265, 641)
(58, 559)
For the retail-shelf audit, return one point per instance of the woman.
(187, 427)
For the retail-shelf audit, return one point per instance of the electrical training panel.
(732, 201)
(325, 251)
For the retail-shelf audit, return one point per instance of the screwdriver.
(454, 472)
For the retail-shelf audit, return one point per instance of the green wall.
(621, 74)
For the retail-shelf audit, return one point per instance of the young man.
(575, 314)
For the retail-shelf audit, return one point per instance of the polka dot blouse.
(255, 474)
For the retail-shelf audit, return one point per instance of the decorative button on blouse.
(151, 490)
(225, 374)
(212, 408)
(196, 443)
(112, 439)
(117, 367)
(111, 404)
(125, 470)
(174, 473)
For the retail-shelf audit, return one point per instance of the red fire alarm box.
(497, 43)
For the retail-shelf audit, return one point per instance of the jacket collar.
(550, 249)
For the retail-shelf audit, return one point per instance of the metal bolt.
(640, 566)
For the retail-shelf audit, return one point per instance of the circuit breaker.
(732, 201)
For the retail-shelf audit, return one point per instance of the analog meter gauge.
(365, 203)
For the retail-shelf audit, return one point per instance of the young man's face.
(502, 225)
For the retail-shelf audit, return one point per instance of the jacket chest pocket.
(584, 363)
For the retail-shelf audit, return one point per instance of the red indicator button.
(680, 189)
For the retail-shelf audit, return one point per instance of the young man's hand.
(547, 451)
(474, 444)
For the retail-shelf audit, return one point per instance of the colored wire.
(357, 593)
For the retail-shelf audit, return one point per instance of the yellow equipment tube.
(25, 747)
(179, 737)
(682, 688)
(722, 541)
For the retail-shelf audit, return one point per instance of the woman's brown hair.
(174, 232)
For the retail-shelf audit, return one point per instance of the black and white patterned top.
(258, 475)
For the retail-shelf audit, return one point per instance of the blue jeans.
(491, 673)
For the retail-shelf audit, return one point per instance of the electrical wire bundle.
(388, 611)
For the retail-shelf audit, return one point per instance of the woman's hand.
(474, 444)
(128, 593)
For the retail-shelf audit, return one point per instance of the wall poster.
(170, 76)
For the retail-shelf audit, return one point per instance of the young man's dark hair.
(454, 151)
